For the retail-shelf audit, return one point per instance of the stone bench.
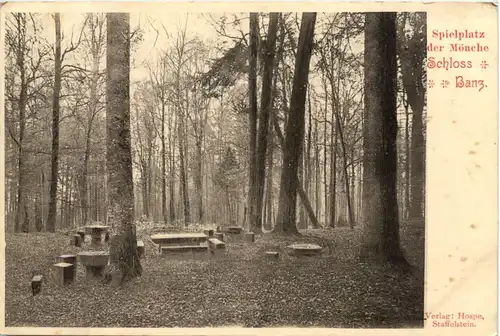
(216, 246)
(94, 262)
(63, 273)
(178, 239)
(193, 252)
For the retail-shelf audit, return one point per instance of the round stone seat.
(299, 250)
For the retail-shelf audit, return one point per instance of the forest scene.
(215, 169)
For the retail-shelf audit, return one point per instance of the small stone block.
(68, 258)
(82, 234)
(249, 237)
(76, 240)
(272, 255)
(216, 246)
(208, 232)
(62, 273)
(36, 284)
(140, 248)
(219, 236)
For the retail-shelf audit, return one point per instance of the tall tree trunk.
(346, 173)
(325, 171)
(352, 189)
(300, 190)
(268, 221)
(252, 91)
(54, 173)
(317, 199)
(407, 158)
(198, 179)
(412, 52)
(106, 197)
(93, 101)
(124, 260)
(380, 208)
(21, 182)
(300, 174)
(41, 206)
(417, 163)
(171, 172)
(84, 197)
(307, 162)
(294, 133)
(171, 204)
(265, 108)
(333, 177)
(184, 182)
(163, 166)
(96, 196)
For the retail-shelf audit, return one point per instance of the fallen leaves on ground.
(241, 288)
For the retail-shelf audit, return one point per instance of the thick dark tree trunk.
(54, 172)
(380, 208)
(124, 260)
(294, 133)
(266, 102)
(252, 91)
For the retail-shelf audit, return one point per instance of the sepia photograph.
(215, 169)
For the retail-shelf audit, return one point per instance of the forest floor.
(241, 289)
